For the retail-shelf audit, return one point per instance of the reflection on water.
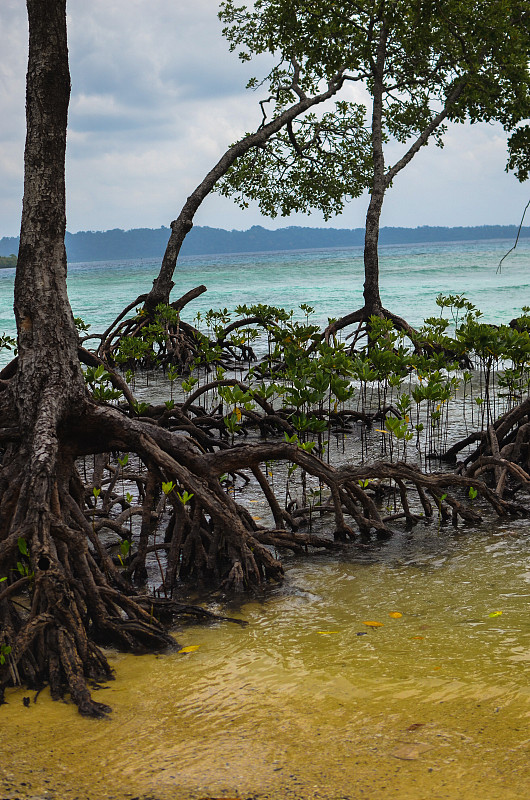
(309, 702)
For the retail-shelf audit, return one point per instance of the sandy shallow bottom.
(309, 702)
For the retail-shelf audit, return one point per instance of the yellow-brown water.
(299, 704)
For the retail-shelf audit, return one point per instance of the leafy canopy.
(420, 64)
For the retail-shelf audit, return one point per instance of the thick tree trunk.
(61, 593)
(49, 381)
(49, 372)
(49, 640)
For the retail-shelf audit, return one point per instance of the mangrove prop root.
(502, 451)
(66, 594)
(177, 342)
(362, 317)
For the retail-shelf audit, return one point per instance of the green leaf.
(185, 497)
(23, 547)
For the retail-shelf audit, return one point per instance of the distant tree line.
(150, 243)
(8, 261)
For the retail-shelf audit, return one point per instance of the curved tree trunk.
(180, 227)
(179, 342)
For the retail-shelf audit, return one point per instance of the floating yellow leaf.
(256, 518)
(395, 614)
(327, 633)
(190, 648)
(372, 624)
(495, 614)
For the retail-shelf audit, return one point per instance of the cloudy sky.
(156, 99)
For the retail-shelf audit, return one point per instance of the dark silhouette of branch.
(516, 239)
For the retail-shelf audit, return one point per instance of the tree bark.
(372, 300)
(47, 338)
(40, 537)
(181, 226)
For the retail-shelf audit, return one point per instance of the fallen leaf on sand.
(327, 633)
(410, 752)
(395, 614)
(190, 649)
(372, 624)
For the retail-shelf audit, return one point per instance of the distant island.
(8, 261)
(150, 243)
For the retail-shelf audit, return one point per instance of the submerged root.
(70, 589)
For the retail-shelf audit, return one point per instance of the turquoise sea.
(330, 280)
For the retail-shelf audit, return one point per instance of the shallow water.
(307, 701)
(299, 704)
